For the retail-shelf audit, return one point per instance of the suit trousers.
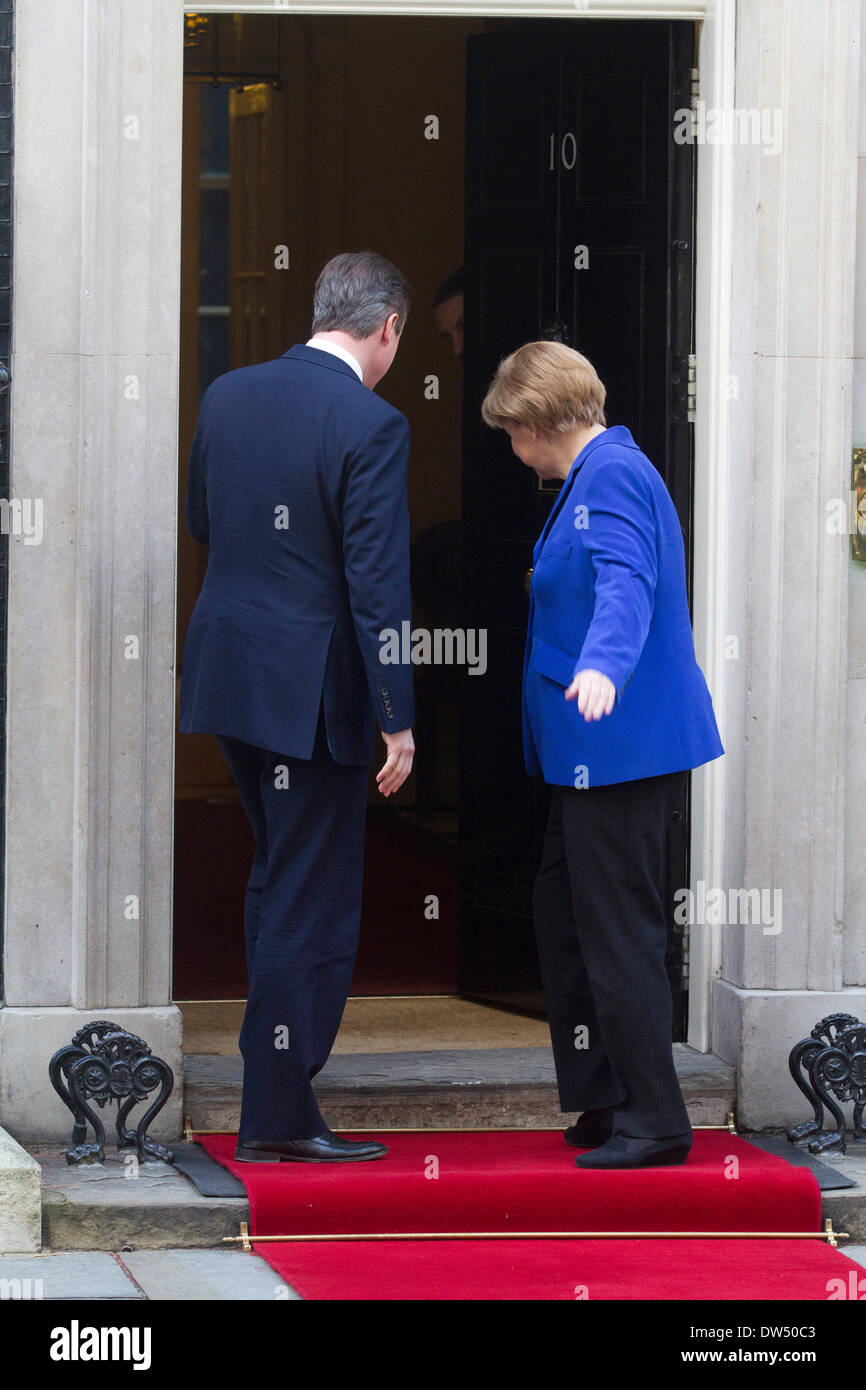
(302, 914)
(601, 931)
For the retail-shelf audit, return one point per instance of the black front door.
(579, 227)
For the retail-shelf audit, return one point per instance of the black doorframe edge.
(682, 230)
(7, 11)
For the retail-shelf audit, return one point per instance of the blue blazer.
(608, 591)
(297, 484)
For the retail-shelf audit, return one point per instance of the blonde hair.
(545, 386)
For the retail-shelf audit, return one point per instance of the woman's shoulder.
(618, 460)
(618, 444)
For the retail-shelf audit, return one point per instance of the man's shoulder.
(230, 388)
(226, 382)
(291, 383)
(382, 414)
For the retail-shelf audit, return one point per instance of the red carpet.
(526, 1181)
(551, 1270)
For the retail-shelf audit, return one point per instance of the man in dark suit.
(297, 484)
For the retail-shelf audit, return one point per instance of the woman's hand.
(594, 692)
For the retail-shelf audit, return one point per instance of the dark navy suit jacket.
(297, 484)
(608, 592)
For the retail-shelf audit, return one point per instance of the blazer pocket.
(579, 578)
(551, 662)
(555, 550)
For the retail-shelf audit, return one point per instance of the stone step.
(99, 1208)
(116, 1206)
(102, 1208)
(489, 1088)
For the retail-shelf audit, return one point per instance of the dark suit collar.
(320, 358)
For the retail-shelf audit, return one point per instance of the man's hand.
(398, 764)
(594, 692)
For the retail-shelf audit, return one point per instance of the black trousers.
(601, 933)
(302, 915)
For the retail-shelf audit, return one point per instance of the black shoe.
(324, 1148)
(626, 1151)
(593, 1128)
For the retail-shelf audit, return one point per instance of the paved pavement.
(129, 1209)
(98, 1275)
(178, 1275)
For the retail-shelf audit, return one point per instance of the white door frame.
(716, 40)
(90, 722)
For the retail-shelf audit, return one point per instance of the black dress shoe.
(627, 1151)
(324, 1148)
(593, 1128)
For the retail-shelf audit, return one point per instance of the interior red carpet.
(502, 1181)
(397, 953)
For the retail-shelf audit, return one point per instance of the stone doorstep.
(846, 1207)
(114, 1206)
(99, 1208)
(96, 1207)
(481, 1089)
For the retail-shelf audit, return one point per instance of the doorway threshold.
(380, 1024)
(425, 1062)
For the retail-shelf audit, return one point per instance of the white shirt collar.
(325, 345)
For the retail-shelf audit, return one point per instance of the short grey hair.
(356, 292)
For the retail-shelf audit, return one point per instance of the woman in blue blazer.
(615, 712)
